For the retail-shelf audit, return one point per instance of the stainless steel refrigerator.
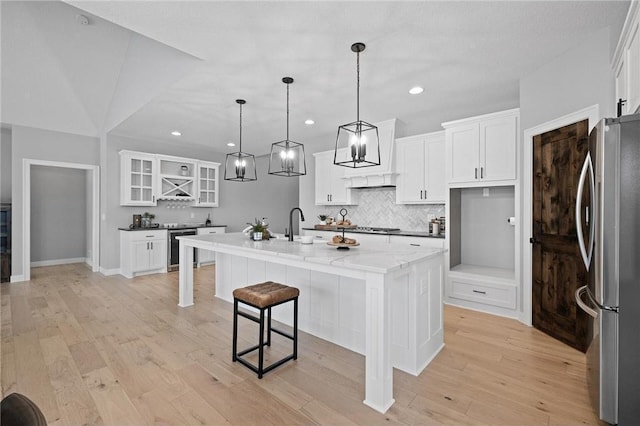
(608, 227)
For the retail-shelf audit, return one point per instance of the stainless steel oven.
(173, 255)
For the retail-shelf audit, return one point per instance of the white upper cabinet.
(330, 185)
(208, 184)
(421, 170)
(482, 150)
(626, 62)
(146, 178)
(137, 179)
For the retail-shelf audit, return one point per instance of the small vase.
(256, 236)
(323, 222)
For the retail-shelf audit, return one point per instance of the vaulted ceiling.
(146, 68)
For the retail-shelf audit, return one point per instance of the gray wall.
(485, 236)
(31, 143)
(58, 213)
(578, 78)
(5, 166)
(269, 196)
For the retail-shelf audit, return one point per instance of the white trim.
(55, 262)
(591, 113)
(26, 210)
(107, 272)
(17, 278)
(634, 9)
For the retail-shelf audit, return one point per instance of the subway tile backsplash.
(377, 207)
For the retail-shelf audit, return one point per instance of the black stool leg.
(295, 328)
(235, 330)
(261, 345)
(269, 327)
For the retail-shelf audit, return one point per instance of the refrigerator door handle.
(583, 305)
(587, 167)
(600, 305)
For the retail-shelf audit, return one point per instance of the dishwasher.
(173, 252)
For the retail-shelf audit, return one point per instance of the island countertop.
(372, 257)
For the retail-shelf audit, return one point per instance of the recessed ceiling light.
(176, 133)
(416, 90)
(231, 144)
(309, 121)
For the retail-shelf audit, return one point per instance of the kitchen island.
(380, 300)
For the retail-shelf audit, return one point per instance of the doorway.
(557, 268)
(92, 209)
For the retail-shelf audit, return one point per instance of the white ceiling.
(469, 57)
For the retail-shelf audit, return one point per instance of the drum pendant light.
(240, 166)
(287, 156)
(357, 143)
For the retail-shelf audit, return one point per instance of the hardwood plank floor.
(90, 349)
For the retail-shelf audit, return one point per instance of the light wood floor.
(90, 349)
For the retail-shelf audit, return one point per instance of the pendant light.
(240, 166)
(287, 156)
(357, 143)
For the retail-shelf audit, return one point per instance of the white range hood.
(385, 173)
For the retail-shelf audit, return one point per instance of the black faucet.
(291, 221)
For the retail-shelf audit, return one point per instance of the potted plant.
(259, 230)
(147, 219)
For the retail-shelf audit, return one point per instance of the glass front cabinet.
(208, 183)
(137, 175)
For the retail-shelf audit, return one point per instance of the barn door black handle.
(533, 240)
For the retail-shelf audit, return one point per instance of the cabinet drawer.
(208, 231)
(148, 235)
(490, 294)
(428, 242)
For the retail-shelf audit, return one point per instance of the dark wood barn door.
(557, 267)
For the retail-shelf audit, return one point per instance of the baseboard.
(88, 261)
(107, 272)
(55, 262)
(17, 278)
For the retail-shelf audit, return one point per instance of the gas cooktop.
(375, 229)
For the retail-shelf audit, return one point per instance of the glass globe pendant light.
(240, 166)
(287, 156)
(357, 143)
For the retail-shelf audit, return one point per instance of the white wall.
(58, 214)
(39, 144)
(5, 166)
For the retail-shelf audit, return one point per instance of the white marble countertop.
(372, 257)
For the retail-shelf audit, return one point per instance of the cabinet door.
(208, 183)
(633, 69)
(621, 85)
(462, 153)
(138, 180)
(498, 139)
(323, 178)
(140, 255)
(410, 166)
(157, 254)
(435, 181)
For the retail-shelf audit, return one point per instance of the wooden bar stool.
(263, 297)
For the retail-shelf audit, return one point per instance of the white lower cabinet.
(208, 256)
(485, 289)
(143, 252)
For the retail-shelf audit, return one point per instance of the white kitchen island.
(381, 300)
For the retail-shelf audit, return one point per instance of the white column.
(378, 368)
(186, 275)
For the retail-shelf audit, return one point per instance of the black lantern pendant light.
(287, 156)
(240, 166)
(357, 143)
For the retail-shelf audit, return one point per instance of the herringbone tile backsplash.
(377, 207)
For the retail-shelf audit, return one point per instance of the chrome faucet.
(291, 221)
